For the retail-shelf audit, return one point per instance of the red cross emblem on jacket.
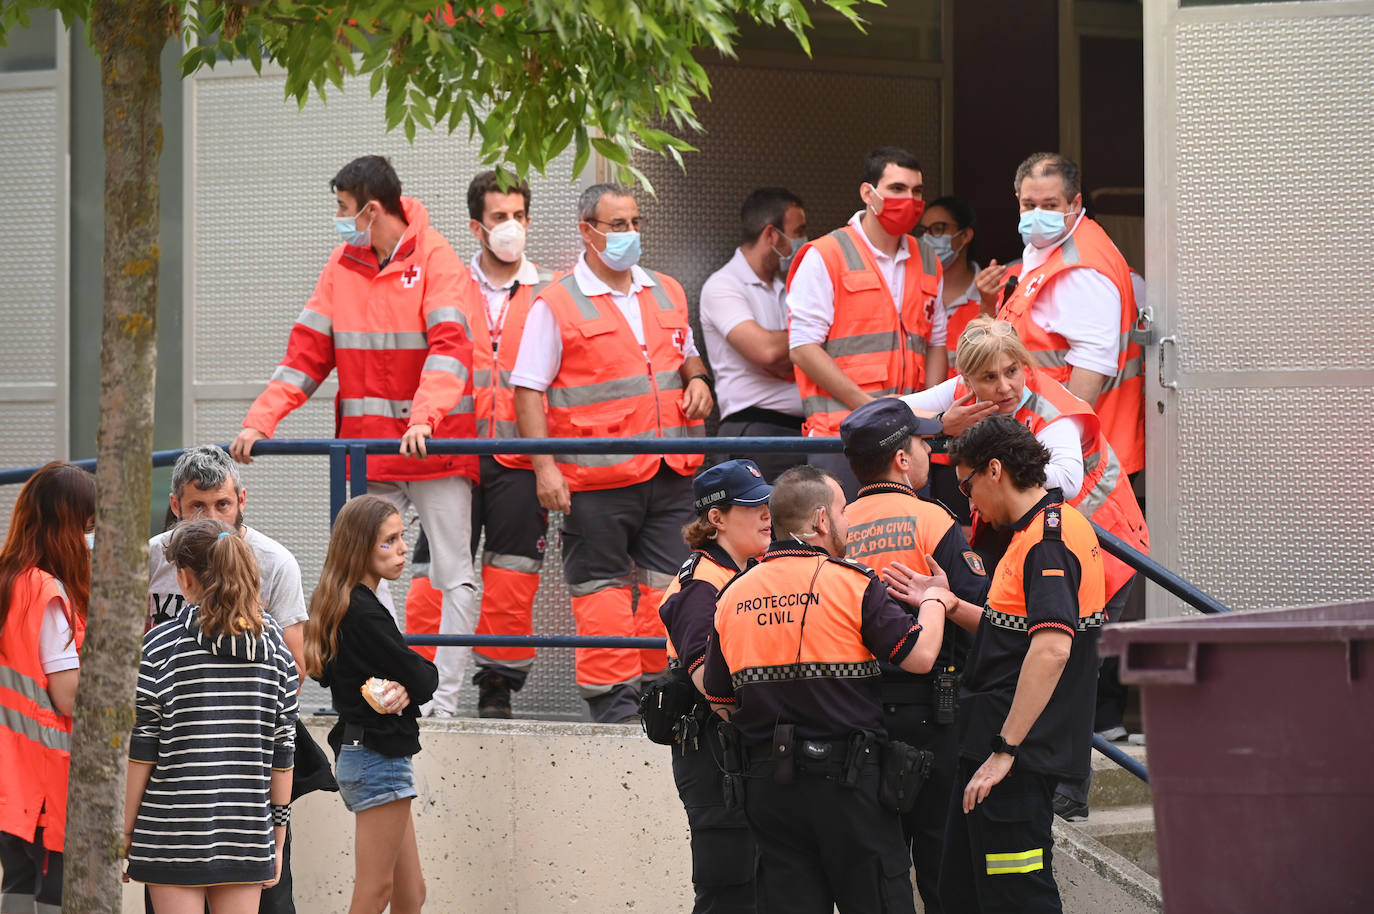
(410, 275)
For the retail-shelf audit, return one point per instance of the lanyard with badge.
(494, 329)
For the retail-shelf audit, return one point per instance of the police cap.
(734, 482)
(881, 423)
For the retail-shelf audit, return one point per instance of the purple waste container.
(1260, 734)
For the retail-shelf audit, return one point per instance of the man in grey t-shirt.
(205, 483)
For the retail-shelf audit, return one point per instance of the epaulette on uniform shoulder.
(689, 568)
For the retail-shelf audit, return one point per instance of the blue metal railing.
(348, 458)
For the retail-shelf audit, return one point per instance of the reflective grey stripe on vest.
(482, 427)
(585, 306)
(820, 403)
(357, 407)
(852, 258)
(295, 379)
(1042, 407)
(1051, 358)
(18, 722)
(668, 380)
(1098, 494)
(442, 315)
(505, 428)
(446, 363)
(481, 377)
(916, 343)
(590, 394)
(316, 321)
(659, 293)
(521, 563)
(859, 344)
(386, 340)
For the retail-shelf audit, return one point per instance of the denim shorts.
(368, 779)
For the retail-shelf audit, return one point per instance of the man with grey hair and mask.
(608, 347)
(205, 483)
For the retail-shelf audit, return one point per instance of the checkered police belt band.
(1015, 623)
(861, 669)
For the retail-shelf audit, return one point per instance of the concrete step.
(1128, 830)
(1115, 786)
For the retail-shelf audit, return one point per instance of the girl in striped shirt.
(211, 754)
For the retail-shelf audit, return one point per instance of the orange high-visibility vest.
(35, 740)
(698, 567)
(1106, 497)
(1007, 595)
(493, 396)
(1121, 405)
(895, 526)
(881, 350)
(759, 616)
(609, 386)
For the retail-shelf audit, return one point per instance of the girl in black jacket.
(353, 647)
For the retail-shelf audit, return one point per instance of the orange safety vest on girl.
(609, 386)
(880, 349)
(35, 740)
(1121, 405)
(400, 340)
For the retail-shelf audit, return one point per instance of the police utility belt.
(672, 713)
(902, 769)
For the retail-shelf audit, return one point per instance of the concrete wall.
(525, 817)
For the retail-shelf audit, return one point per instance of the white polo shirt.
(527, 275)
(541, 343)
(811, 297)
(1082, 306)
(732, 295)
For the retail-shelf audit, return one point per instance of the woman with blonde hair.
(45, 577)
(353, 648)
(213, 746)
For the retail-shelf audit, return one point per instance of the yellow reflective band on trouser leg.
(1023, 862)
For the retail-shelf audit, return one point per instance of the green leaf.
(610, 150)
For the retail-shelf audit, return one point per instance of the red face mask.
(900, 214)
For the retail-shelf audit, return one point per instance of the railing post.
(357, 466)
(338, 471)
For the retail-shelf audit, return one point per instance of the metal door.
(1260, 235)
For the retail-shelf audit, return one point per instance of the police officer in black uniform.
(893, 531)
(794, 663)
(731, 529)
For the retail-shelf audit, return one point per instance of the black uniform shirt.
(689, 615)
(1058, 743)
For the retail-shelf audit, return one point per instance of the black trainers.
(493, 697)
(1068, 809)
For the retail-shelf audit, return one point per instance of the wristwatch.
(999, 744)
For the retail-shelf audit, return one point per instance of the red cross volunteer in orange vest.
(609, 349)
(45, 573)
(505, 503)
(1074, 306)
(865, 319)
(390, 313)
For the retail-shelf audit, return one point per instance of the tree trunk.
(129, 38)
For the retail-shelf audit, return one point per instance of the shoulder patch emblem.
(410, 276)
(974, 563)
(753, 469)
(1051, 518)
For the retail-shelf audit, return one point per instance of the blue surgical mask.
(347, 227)
(942, 246)
(622, 249)
(1041, 227)
(785, 262)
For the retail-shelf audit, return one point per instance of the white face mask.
(90, 541)
(507, 240)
